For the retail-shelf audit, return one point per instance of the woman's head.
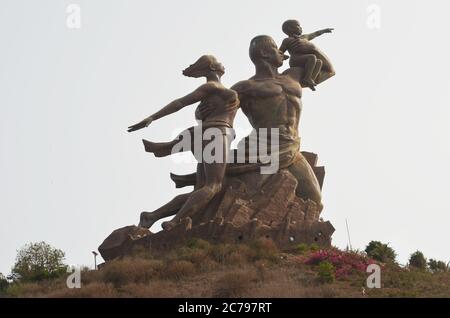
(204, 66)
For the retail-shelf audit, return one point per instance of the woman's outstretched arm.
(174, 106)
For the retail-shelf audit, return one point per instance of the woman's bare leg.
(147, 219)
(198, 199)
(214, 174)
(163, 149)
(160, 149)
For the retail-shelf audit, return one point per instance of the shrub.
(437, 266)
(219, 253)
(418, 261)
(194, 255)
(261, 270)
(234, 284)
(380, 252)
(38, 261)
(239, 257)
(141, 252)
(3, 284)
(153, 289)
(235, 254)
(22, 289)
(94, 290)
(179, 270)
(345, 263)
(302, 248)
(198, 243)
(326, 272)
(200, 252)
(265, 249)
(131, 270)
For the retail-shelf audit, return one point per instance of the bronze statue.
(273, 100)
(234, 201)
(306, 54)
(269, 100)
(217, 109)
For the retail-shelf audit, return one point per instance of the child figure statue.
(305, 54)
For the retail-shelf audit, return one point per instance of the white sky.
(70, 173)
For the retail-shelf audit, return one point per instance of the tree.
(3, 283)
(417, 260)
(38, 261)
(437, 266)
(380, 252)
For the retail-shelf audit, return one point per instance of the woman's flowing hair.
(201, 67)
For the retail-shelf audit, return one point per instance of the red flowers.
(345, 263)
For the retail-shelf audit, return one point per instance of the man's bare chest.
(281, 87)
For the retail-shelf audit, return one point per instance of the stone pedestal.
(250, 206)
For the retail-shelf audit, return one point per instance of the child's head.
(203, 66)
(292, 27)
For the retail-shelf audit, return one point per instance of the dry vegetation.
(255, 270)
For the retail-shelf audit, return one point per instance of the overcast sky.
(70, 173)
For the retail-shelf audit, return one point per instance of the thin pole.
(95, 259)
(348, 234)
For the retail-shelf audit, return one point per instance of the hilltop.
(257, 269)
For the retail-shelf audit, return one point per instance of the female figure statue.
(217, 109)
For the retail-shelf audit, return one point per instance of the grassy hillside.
(200, 269)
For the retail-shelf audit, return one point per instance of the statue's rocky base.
(250, 206)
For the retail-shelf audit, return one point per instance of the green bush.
(380, 252)
(302, 248)
(37, 262)
(326, 272)
(437, 266)
(418, 261)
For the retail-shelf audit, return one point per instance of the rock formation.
(250, 206)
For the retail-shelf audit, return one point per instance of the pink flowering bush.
(345, 263)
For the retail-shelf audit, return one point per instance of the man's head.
(292, 28)
(263, 48)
